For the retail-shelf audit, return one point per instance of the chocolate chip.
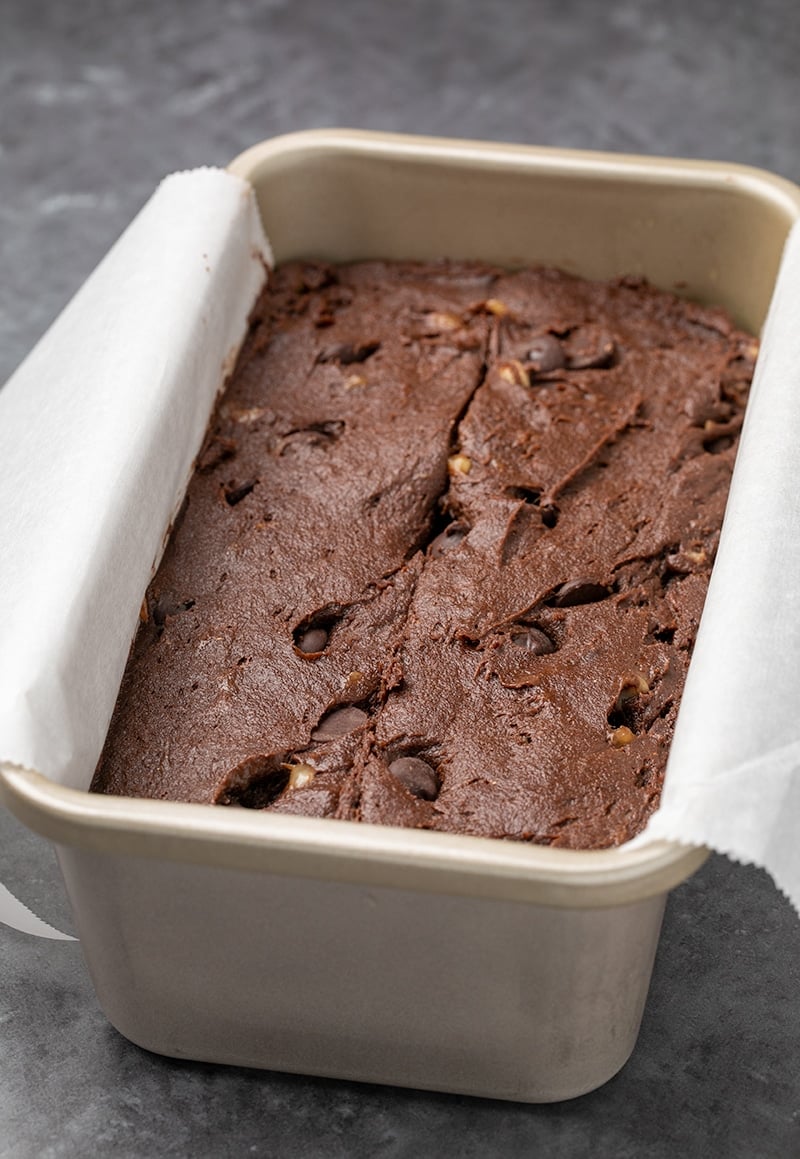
(580, 591)
(546, 354)
(339, 722)
(313, 640)
(417, 776)
(534, 640)
(446, 540)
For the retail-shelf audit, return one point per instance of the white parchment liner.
(99, 429)
(733, 777)
(98, 432)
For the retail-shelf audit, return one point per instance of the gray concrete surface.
(97, 102)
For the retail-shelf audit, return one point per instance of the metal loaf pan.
(413, 958)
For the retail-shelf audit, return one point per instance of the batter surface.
(443, 557)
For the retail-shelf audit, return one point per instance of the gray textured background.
(97, 102)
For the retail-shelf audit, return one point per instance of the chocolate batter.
(443, 558)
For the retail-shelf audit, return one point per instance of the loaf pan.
(420, 959)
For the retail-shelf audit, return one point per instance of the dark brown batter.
(443, 558)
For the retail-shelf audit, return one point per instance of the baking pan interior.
(711, 232)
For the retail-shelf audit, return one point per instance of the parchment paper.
(99, 428)
(733, 777)
(98, 432)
